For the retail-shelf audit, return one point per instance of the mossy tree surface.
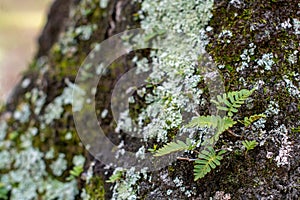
(253, 43)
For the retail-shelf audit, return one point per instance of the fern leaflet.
(221, 124)
(249, 145)
(115, 177)
(208, 160)
(231, 101)
(249, 120)
(173, 147)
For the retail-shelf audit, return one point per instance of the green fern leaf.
(249, 120)
(208, 160)
(220, 124)
(3, 192)
(216, 122)
(224, 124)
(172, 147)
(231, 101)
(204, 121)
(249, 145)
(115, 177)
(76, 171)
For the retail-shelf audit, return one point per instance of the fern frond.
(204, 121)
(172, 147)
(221, 124)
(249, 145)
(208, 160)
(115, 177)
(231, 101)
(225, 124)
(76, 171)
(249, 120)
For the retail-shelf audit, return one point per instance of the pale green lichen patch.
(174, 80)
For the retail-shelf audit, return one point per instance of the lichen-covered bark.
(58, 14)
(40, 105)
(253, 43)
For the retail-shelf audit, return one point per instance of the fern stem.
(196, 151)
(233, 134)
(186, 159)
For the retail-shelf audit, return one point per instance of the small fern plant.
(3, 192)
(249, 120)
(75, 172)
(174, 147)
(231, 101)
(115, 176)
(249, 145)
(208, 158)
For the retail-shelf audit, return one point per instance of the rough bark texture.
(250, 176)
(58, 14)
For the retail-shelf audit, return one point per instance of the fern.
(249, 145)
(3, 192)
(220, 124)
(204, 121)
(231, 101)
(173, 147)
(249, 120)
(296, 130)
(209, 160)
(154, 149)
(75, 172)
(115, 177)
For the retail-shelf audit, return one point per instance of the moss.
(281, 43)
(66, 56)
(238, 21)
(51, 138)
(95, 188)
(171, 169)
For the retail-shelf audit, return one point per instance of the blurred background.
(21, 22)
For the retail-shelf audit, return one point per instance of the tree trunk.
(254, 44)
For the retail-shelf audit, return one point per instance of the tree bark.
(62, 50)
